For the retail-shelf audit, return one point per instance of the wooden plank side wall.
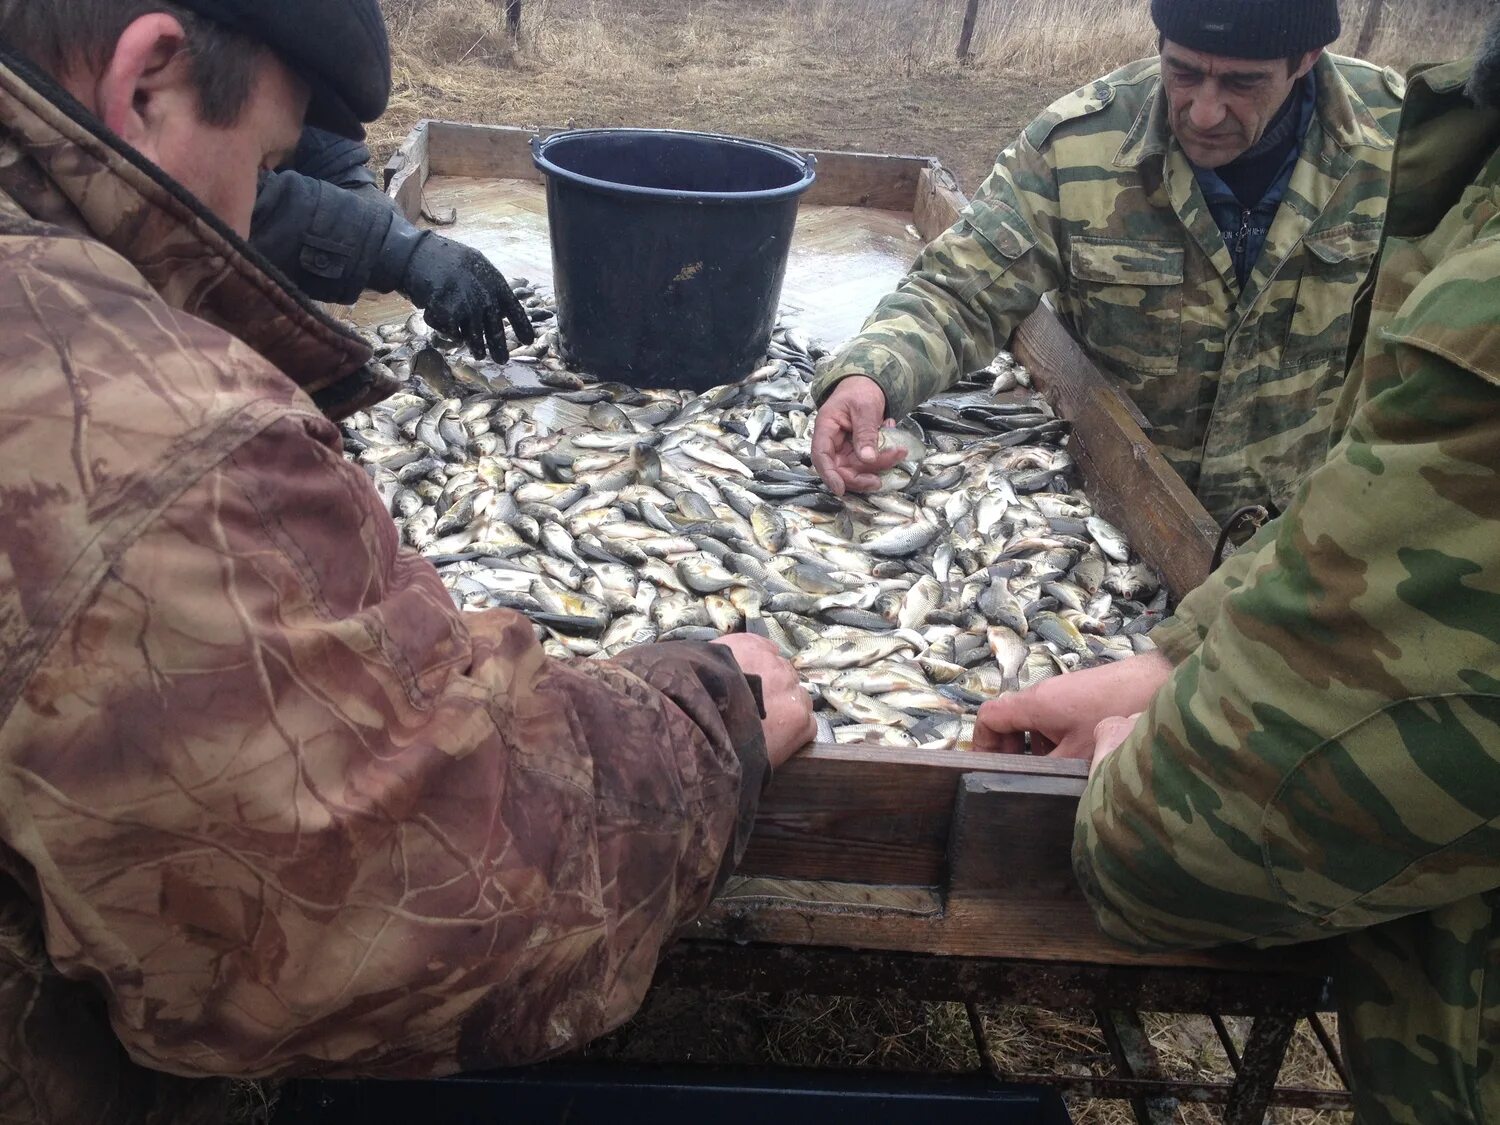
(848, 179)
(498, 152)
(1128, 480)
(871, 815)
(859, 179)
(974, 862)
(938, 203)
(407, 170)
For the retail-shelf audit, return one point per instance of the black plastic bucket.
(668, 250)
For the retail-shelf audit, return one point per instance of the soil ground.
(963, 118)
(728, 67)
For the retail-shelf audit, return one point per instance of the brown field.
(872, 75)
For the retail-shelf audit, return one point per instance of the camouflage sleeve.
(1329, 757)
(1179, 636)
(967, 292)
(307, 817)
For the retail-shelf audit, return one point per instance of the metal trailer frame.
(606, 1095)
(1115, 994)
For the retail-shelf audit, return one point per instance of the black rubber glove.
(463, 297)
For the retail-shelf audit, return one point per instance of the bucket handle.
(809, 161)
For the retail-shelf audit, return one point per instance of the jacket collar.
(61, 167)
(1347, 122)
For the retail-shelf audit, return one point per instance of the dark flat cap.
(339, 47)
(1248, 29)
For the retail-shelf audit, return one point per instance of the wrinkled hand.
(1109, 736)
(789, 711)
(464, 297)
(845, 447)
(1063, 713)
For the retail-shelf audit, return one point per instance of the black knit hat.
(338, 47)
(1248, 29)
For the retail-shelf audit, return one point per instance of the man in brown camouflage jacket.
(268, 803)
(1203, 221)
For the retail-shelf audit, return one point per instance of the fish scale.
(615, 516)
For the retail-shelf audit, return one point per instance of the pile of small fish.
(613, 516)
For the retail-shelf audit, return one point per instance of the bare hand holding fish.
(1062, 713)
(789, 710)
(846, 439)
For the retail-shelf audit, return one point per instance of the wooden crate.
(869, 848)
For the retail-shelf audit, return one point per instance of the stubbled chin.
(1215, 157)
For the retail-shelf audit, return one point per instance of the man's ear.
(149, 70)
(1309, 61)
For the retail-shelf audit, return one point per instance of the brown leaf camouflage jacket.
(269, 804)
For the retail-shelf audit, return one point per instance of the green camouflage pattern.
(1325, 759)
(1097, 206)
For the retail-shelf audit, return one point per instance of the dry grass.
(1076, 38)
(873, 74)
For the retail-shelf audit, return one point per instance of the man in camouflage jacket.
(269, 804)
(1100, 203)
(1323, 755)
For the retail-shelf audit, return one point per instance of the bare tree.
(1370, 28)
(513, 18)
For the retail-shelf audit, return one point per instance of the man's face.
(147, 94)
(1220, 107)
(222, 166)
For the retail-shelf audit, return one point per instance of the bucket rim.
(805, 161)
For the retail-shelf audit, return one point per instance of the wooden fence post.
(966, 36)
(1370, 28)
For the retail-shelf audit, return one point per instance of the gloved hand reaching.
(464, 297)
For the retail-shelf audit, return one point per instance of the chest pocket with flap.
(1335, 264)
(1128, 301)
(1003, 237)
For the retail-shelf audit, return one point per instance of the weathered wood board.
(1129, 482)
(498, 152)
(954, 854)
(867, 848)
